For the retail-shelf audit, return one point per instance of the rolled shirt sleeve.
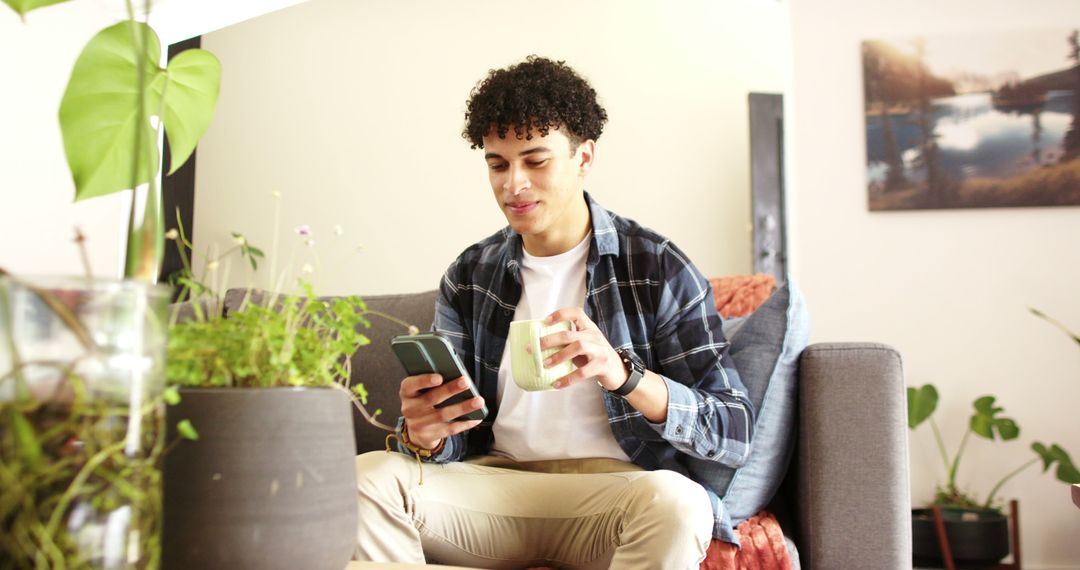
(709, 414)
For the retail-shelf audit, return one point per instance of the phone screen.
(428, 353)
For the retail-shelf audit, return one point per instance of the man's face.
(538, 184)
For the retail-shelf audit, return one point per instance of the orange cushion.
(739, 295)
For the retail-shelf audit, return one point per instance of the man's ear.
(586, 154)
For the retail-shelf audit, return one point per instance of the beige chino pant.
(491, 512)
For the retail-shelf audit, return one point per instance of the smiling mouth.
(521, 207)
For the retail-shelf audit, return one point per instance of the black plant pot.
(977, 537)
(271, 482)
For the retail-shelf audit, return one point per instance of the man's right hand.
(428, 425)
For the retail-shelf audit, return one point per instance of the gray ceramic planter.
(270, 484)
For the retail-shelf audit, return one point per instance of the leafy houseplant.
(265, 394)
(977, 530)
(985, 422)
(82, 360)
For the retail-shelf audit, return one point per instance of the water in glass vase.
(81, 424)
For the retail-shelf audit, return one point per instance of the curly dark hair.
(537, 93)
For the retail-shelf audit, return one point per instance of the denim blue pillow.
(765, 347)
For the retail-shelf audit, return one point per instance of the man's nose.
(516, 180)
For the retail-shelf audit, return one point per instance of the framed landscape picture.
(973, 121)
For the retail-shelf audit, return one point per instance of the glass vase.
(81, 422)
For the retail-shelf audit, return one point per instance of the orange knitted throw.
(739, 295)
(763, 547)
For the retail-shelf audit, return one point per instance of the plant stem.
(143, 242)
(990, 499)
(1056, 323)
(80, 239)
(274, 241)
(22, 391)
(363, 411)
(76, 484)
(956, 461)
(940, 444)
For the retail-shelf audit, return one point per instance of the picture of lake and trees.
(973, 121)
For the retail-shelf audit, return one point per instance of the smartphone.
(429, 353)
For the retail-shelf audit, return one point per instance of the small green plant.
(272, 339)
(986, 422)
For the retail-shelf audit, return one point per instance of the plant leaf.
(28, 445)
(1007, 428)
(360, 392)
(921, 404)
(1066, 470)
(191, 94)
(980, 424)
(171, 394)
(985, 405)
(98, 113)
(985, 422)
(24, 6)
(186, 430)
(1044, 453)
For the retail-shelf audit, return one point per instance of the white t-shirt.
(557, 424)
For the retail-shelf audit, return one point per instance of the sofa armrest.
(854, 495)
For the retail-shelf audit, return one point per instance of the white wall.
(947, 288)
(37, 215)
(353, 111)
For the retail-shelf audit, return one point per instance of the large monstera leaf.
(986, 421)
(193, 80)
(99, 113)
(1066, 470)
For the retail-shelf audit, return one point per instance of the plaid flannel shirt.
(644, 294)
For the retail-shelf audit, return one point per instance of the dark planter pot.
(977, 537)
(271, 482)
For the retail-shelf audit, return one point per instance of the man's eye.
(538, 163)
(497, 167)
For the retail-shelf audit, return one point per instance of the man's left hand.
(588, 347)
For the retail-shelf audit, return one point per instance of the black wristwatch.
(634, 366)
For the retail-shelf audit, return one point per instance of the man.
(612, 468)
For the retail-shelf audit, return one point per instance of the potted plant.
(266, 475)
(977, 529)
(82, 359)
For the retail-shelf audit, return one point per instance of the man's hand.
(428, 425)
(589, 349)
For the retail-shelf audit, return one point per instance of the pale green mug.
(527, 367)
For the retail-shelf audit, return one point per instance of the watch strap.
(636, 368)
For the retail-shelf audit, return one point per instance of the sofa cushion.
(374, 365)
(765, 347)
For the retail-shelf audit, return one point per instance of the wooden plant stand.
(1014, 539)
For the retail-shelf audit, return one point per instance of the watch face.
(631, 358)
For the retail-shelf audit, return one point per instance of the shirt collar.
(604, 236)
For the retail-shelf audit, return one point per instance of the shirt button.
(711, 453)
(678, 429)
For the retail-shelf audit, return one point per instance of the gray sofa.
(845, 501)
